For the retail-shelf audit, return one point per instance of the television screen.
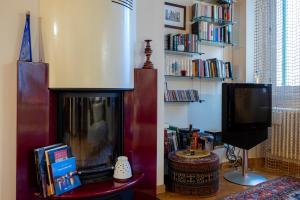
(252, 105)
(246, 113)
(246, 106)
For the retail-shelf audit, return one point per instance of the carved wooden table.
(193, 175)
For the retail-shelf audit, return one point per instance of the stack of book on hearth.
(56, 170)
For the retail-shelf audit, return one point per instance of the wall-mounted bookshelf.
(200, 101)
(211, 25)
(182, 43)
(210, 68)
(215, 21)
(170, 77)
(215, 43)
(182, 96)
(183, 53)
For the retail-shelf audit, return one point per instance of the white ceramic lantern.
(122, 169)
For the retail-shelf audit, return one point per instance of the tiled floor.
(225, 188)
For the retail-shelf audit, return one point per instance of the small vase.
(122, 170)
(148, 52)
(26, 52)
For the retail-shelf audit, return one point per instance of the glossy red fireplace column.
(35, 119)
(140, 120)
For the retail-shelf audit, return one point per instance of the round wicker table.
(193, 175)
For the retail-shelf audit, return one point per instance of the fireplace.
(39, 123)
(91, 123)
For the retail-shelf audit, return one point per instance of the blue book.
(58, 154)
(65, 176)
(41, 168)
(52, 156)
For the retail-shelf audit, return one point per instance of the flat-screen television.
(246, 113)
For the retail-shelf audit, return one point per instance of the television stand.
(244, 177)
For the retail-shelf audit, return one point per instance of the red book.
(229, 13)
(201, 68)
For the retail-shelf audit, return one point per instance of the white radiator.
(285, 139)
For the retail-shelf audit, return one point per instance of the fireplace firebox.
(91, 123)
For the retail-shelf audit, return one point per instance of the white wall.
(150, 26)
(239, 36)
(12, 18)
(243, 53)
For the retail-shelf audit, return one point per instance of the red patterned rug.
(283, 188)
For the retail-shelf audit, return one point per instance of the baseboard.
(160, 189)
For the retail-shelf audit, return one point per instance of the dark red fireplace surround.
(36, 127)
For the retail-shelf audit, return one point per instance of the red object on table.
(194, 143)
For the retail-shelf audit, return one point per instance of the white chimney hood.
(89, 43)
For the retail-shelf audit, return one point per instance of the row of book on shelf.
(217, 12)
(175, 140)
(210, 68)
(56, 170)
(171, 142)
(179, 139)
(181, 95)
(225, 1)
(211, 32)
(189, 42)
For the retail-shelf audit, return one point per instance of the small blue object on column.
(25, 53)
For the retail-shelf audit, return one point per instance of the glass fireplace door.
(91, 124)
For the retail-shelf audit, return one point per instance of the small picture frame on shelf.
(175, 16)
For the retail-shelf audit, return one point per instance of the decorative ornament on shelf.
(148, 51)
(122, 171)
(25, 52)
(180, 47)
